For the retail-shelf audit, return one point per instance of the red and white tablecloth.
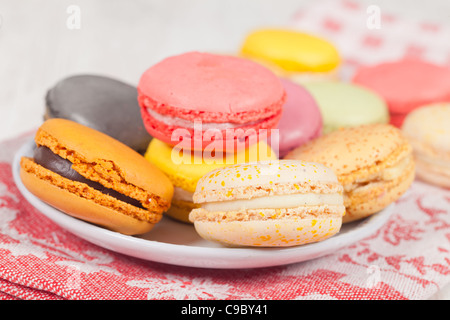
(408, 258)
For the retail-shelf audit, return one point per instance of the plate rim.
(227, 257)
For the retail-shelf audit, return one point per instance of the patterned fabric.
(408, 258)
(367, 34)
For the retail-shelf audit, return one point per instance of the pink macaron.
(195, 100)
(406, 85)
(301, 120)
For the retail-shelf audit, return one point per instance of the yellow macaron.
(292, 54)
(184, 168)
(277, 203)
(374, 163)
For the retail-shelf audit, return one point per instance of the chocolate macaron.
(104, 104)
(93, 177)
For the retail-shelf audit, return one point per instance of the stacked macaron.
(184, 168)
(206, 111)
(207, 101)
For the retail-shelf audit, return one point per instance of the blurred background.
(43, 41)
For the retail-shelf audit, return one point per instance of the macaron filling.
(275, 202)
(179, 122)
(184, 131)
(44, 157)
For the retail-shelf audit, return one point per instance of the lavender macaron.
(301, 120)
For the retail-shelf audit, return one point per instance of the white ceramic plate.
(177, 243)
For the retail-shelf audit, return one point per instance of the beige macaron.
(275, 203)
(428, 130)
(374, 163)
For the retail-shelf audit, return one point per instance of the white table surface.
(122, 38)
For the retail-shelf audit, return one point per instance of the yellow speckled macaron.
(428, 130)
(374, 163)
(292, 54)
(276, 203)
(184, 169)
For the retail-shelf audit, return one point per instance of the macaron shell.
(265, 173)
(406, 84)
(291, 51)
(96, 147)
(102, 103)
(351, 149)
(82, 208)
(195, 85)
(347, 105)
(277, 233)
(301, 119)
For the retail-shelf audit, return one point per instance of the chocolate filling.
(51, 161)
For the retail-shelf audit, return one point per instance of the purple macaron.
(301, 120)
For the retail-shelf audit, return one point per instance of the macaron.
(374, 163)
(345, 105)
(195, 100)
(101, 103)
(185, 167)
(428, 130)
(301, 120)
(279, 203)
(93, 177)
(406, 85)
(293, 54)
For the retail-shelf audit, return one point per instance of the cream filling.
(275, 202)
(178, 122)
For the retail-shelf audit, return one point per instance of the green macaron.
(347, 105)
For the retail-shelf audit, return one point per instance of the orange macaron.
(93, 177)
(374, 163)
